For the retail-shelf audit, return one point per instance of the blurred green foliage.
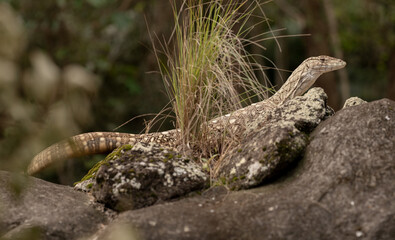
(107, 37)
(367, 36)
(111, 39)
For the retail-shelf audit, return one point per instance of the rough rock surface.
(275, 141)
(47, 211)
(353, 101)
(144, 175)
(306, 111)
(344, 188)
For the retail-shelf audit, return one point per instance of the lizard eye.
(322, 60)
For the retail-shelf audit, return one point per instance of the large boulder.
(343, 188)
(46, 211)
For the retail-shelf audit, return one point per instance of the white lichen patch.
(119, 185)
(254, 169)
(142, 163)
(233, 171)
(122, 186)
(143, 148)
(117, 176)
(178, 171)
(146, 172)
(242, 161)
(168, 180)
(135, 184)
(160, 171)
(299, 142)
(119, 167)
(161, 165)
(189, 169)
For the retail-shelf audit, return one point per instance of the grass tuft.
(207, 72)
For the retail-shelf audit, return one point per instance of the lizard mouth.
(341, 64)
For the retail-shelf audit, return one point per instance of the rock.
(353, 101)
(47, 211)
(274, 142)
(343, 188)
(85, 185)
(263, 155)
(144, 175)
(306, 111)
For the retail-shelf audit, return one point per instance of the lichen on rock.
(264, 154)
(86, 183)
(274, 141)
(353, 101)
(144, 175)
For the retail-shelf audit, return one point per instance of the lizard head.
(323, 64)
(307, 73)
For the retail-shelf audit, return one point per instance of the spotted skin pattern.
(301, 79)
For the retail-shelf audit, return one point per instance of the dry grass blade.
(208, 72)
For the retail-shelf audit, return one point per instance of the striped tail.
(80, 145)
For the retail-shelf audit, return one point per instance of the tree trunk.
(337, 50)
(319, 44)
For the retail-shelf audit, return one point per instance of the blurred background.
(68, 67)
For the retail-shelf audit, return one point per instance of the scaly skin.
(302, 78)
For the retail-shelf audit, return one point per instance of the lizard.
(301, 79)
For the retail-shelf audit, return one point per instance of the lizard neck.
(297, 84)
